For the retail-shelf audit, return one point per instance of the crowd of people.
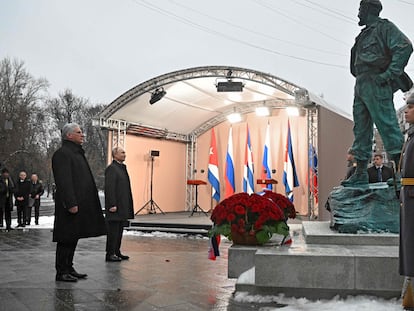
(23, 193)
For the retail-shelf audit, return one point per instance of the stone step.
(168, 229)
(319, 232)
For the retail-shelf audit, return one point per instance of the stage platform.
(177, 222)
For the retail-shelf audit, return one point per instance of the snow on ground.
(357, 303)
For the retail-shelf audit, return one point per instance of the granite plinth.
(320, 269)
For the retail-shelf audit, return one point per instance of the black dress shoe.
(78, 275)
(65, 278)
(123, 257)
(112, 258)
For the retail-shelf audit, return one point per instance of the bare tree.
(20, 97)
(71, 108)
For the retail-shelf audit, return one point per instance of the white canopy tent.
(192, 105)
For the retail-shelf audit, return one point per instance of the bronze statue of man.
(378, 58)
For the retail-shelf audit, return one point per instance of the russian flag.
(313, 168)
(229, 177)
(248, 171)
(266, 172)
(290, 178)
(213, 172)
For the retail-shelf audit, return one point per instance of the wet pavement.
(162, 274)
(167, 272)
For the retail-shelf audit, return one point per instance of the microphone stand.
(153, 206)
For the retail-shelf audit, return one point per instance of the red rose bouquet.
(283, 202)
(254, 215)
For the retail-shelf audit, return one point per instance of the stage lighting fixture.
(234, 117)
(262, 111)
(229, 86)
(157, 95)
(292, 111)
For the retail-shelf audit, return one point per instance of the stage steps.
(180, 222)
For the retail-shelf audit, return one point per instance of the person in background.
(378, 172)
(118, 204)
(78, 212)
(21, 195)
(6, 198)
(351, 166)
(406, 245)
(35, 194)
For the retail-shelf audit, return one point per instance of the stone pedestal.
(321, 263)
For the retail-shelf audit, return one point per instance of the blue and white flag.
(213, 172)
(266, 171)
(248, 170)
(290, 178)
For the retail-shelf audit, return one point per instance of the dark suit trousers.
(21, 214)
(114, 237)
(64, 257)
(7, 212)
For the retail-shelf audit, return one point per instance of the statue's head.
(368, 8)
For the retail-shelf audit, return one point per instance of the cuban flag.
(313, 168)
(266, 172)
(290, 178)
(213, 172)
(248, 171)
(229, 177)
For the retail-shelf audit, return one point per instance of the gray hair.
(68, 128)
(115, 150)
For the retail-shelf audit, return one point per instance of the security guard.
(378, 58)
(406, 244)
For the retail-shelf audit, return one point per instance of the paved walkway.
(162, 273)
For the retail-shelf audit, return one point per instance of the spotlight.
(234, 117)
(292, 111)
(262, 111)
(157, 95)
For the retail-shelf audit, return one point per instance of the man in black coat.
(379, 172)
(21, 195)
(118, 204)
(406, 245)
(35, 194)
(78, 212)
(6, 197)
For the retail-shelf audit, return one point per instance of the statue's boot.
(360, 177)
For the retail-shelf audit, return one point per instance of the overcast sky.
(102, 48)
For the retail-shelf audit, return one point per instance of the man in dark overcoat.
(6, 197)
(406, 265)
(118, 204)
(21, 194)
(78, 212)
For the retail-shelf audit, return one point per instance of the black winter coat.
(407, 210)
(75, 186)
(118, 193)
(23, 188)
(3, 192)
